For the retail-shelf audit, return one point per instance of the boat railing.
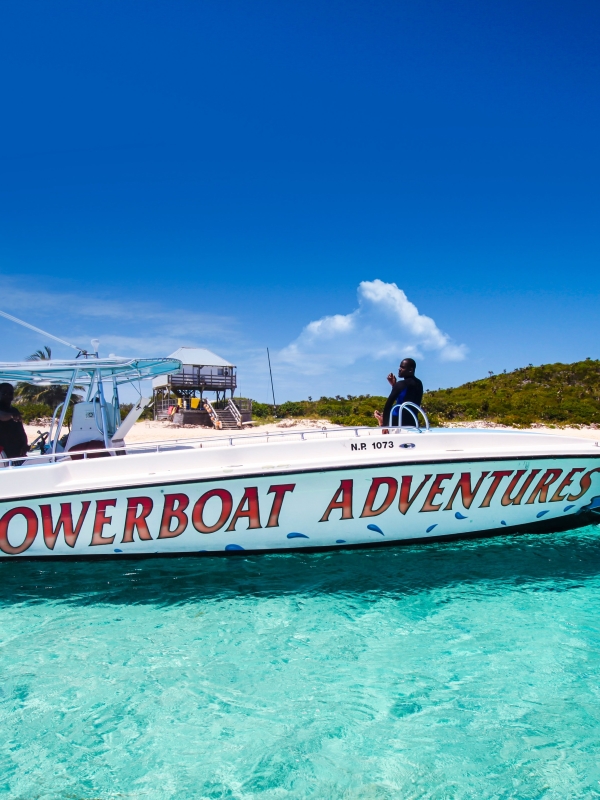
(148, 448)
(409, 407)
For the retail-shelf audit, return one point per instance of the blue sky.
(318, 178)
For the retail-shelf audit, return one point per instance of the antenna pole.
(44, 333)
(271, 374)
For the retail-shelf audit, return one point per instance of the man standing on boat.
(408, 389)
(13, 439)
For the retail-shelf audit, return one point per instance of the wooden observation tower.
(197, 394)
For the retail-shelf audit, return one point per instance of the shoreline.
(147, 431)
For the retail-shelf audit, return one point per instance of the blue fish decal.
(431, 527)
(541, 513)
(502, 522)
(234, 547)
(297, 536)
(340, 541)
(568, 508)
(458, 515)
(376, 529)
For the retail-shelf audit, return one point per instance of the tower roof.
(199, 357)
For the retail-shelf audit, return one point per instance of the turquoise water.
(457, 670)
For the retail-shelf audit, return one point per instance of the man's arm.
(8, 416)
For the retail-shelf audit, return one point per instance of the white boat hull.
(355, 488)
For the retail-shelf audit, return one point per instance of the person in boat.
(408, 389)
(13, 439)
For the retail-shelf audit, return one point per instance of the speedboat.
(89, 494)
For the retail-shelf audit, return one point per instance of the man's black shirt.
(407, 390)
(13, 439)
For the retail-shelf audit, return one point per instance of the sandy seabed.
(162, 431)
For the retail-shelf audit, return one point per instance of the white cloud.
(125, 327)
(385, 325)
(342, 352)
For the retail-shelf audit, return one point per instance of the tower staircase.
(226, 419)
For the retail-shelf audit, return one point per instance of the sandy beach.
(148, 431)
(580, 431)
(160, 431)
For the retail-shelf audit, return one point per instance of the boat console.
(96, 421)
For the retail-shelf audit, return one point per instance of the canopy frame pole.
(90, 392)
(53, 420)
(65, 408)
(116, 403)
(103, 412)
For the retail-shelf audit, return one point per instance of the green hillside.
(348, 410)
(553, 394)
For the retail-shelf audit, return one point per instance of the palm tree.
(45, 354)
(48, 395)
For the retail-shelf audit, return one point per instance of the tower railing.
(231, 406)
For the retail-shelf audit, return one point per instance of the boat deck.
(153, 463)
(470, 439)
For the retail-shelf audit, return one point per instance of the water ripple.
(457, 669)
